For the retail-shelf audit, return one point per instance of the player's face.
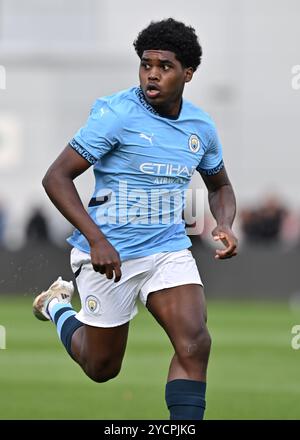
(162, 79)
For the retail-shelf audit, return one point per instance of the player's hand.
(228, 239)
(106, 260)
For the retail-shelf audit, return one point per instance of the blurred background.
(56, 58)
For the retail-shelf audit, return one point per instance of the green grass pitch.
(253, 372)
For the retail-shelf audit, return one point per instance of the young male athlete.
(144, 144)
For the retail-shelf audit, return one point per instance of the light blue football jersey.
(143, 164)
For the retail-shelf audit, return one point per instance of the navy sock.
(186, 399)
(63, 316)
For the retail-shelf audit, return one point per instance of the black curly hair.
(174, 36)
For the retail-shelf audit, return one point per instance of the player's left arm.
(222, 204)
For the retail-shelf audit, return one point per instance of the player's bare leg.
(100, 351)
(181, 311)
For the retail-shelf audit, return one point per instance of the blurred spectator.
(264, 224)
(290, 232)
(37, 229)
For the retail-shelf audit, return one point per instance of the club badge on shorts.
(92, 305)
(194, 143)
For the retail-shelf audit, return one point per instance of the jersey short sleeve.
(212, 160)
(99, 135)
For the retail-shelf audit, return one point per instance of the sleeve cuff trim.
(83, 152)
(211, 171)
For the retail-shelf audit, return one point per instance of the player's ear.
(189, 72)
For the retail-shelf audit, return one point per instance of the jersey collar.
(142, 99)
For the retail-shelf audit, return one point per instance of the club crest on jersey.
(92, 304)
(194, 143)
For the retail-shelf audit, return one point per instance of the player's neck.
(171, 111)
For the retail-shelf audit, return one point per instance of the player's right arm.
(59, 186)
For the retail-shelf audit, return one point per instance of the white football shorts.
(105, 303)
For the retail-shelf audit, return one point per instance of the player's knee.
(195, 348)
(206, 341)
(102, 371)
